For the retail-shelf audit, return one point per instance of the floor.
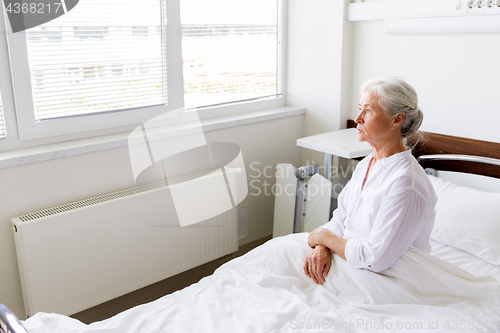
(159, 289)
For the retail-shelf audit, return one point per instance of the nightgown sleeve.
(401, 217)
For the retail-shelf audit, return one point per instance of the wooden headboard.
(433, 143)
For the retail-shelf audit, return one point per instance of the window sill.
(76, 147)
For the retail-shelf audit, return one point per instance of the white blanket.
(266, 290)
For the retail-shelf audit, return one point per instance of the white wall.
(318, 65)
(36, 186)
(456, 76)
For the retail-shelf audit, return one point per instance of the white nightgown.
(391, 213)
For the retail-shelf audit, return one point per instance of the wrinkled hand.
(318, 263)
(316, 237)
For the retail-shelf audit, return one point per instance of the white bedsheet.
(464, 260)
(267, 291)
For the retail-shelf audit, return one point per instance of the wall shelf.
(444, 25)
(430, 16)
(393, 9)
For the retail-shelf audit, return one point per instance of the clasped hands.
(318, 262)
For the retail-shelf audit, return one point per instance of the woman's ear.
(398, 120)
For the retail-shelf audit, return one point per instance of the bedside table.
(342, 143)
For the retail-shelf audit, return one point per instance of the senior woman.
(388, 205)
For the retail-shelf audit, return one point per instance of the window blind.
(103, 55)
(231, 50)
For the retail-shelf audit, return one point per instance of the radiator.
(78, 255)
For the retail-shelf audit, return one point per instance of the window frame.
(260, 104)
(23, 131)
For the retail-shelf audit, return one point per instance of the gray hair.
(397, 96)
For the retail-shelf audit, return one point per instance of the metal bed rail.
(462, 158)
(9, 323)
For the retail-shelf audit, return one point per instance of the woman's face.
(374, 124)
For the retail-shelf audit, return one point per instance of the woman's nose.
(359, 118)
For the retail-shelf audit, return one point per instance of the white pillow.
(468, 219)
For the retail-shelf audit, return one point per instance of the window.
(104, 63)
(101, 65)
(219, 43)
(75, 73)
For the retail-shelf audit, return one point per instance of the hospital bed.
(9, 323)
(266, 290)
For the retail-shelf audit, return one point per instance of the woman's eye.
(368, 111)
